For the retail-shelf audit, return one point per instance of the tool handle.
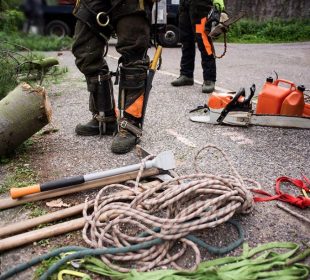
(20, 192)
(156, 58)
(61, 183)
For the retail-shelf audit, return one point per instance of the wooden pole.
(50, 231)
(23, 112)
(39, 234)
(24, 225)
(9, 202)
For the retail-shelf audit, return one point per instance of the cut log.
(23, 112)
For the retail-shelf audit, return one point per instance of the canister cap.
(301, 88)
(269, 80)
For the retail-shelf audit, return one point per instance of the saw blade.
(280, 121)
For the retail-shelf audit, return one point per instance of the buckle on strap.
(102, 19)
(130, 127)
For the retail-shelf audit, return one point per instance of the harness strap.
(130, 127)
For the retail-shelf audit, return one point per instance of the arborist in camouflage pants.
(195, 21)
(97, 21)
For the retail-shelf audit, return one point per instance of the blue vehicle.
(59, 21)
(167, 30)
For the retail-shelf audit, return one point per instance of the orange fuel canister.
(306, 112)
(294, 103)
(271, 97)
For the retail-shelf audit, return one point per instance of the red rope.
(300, 201)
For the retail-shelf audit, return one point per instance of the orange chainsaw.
(280, 104)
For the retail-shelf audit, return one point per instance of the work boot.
(92, 128)
(123, 142)
(208, 86)
(183, 81)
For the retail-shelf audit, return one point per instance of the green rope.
(82, 252)
(267, 265)
(21, 267)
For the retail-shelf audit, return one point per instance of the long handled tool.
(150, 77)
(164, 161)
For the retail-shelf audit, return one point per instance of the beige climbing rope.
(170, 211)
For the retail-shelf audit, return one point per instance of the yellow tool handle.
(156, 57)
(20, 192)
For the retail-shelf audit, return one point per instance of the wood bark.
(23, 112)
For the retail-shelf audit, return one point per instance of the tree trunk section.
(23, 112)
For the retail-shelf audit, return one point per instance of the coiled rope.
(170, 211)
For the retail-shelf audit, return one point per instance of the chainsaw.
(277, 106)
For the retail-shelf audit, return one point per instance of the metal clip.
(103, 24)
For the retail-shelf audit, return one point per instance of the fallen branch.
(293, 213)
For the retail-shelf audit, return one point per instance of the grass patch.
(37, 42)
(272, 31)
(44, 266)
(21, 176)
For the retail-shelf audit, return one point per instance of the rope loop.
(170, 211)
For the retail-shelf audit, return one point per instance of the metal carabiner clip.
(103, 24)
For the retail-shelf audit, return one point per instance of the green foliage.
(9, 4)
(37, 42)
(274, 31)
(44, 266)
(11, 21)
(7, 76)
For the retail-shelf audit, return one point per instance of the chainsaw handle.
(252, 92)
(276, 82)
(230, 105)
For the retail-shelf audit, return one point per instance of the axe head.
(164, 160)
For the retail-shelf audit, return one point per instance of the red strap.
(300, 201)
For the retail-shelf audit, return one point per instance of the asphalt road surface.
(259, 153)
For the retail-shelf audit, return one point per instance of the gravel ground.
(260, 153)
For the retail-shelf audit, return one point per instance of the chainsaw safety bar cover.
(299, 201)
(65, 182)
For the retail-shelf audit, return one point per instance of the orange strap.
(200, 29)
(135, 109)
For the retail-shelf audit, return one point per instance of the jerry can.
(271, 97)
(306, 112)
(294, 103)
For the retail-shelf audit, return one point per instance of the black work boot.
(182, 81)
(92, 128)
(208, 86)
(123, 142)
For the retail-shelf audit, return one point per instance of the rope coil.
(170, 211)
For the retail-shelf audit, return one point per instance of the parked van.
(60, 21)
